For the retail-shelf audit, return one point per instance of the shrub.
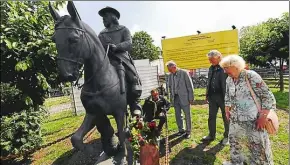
(12, 99)
(21, 131)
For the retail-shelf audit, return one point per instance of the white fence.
(76, 93)
(149, 79)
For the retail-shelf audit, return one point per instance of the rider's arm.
(126, 45)
(103, 41)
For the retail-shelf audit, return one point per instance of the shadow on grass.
(75, 157)
(197, 155)
(24, 161)
(171, 143)
(90, 156)
(199, 102)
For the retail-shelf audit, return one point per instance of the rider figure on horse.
(119, 40)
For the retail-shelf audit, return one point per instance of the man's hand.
(113, 47)
(228, 113)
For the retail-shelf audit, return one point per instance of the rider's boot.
(136, 91)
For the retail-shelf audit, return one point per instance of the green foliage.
(21, 132)
(266, 41)
(143, 47)
(10, 99)
(27, 52)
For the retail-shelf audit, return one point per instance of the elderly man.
(119, 40)
(215, 94)
(181, 95)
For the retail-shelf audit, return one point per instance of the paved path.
(59, 108)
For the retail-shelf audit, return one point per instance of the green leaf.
(21, 66)
(27, 15)
(28, 101)
(7, 29)
(23, 140)
(8, 43)
(14, 44)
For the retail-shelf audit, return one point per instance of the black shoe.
(180, 133)
(187, 136)
(208, 138)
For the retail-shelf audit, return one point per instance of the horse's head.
(71, 43)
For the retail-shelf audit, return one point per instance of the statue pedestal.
(106, 162)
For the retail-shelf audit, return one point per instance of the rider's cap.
(109, 10)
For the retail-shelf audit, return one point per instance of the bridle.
(78, 61)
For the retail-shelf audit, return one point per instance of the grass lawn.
(184, 151)
(282, 98)
(56, 101)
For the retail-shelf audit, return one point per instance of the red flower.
(152, 124)
(139, 125)
(130, 139)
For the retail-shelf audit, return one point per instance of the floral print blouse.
(238, 96)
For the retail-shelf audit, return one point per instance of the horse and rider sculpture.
(111, 81)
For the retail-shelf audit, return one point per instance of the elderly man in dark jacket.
(215, 94)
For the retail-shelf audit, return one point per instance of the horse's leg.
(120, 120)
(87, 125)
(108, 138)
(120, 159)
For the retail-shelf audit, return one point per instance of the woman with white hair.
(247, 136)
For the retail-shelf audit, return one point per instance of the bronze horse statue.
(78, 45)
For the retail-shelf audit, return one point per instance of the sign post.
(190, 52)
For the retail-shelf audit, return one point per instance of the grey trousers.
(178, 116)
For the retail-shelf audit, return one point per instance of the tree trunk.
(281, 75)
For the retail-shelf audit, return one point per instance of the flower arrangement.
(142, 133)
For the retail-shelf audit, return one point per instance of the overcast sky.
(181, 18)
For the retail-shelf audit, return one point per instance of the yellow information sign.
(190, 52)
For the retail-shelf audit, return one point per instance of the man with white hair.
(181, 96)
(215, 94)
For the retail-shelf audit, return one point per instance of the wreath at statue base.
(144, 141)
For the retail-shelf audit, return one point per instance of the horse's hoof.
(120, 160)
(102, 157)
(122, 150)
